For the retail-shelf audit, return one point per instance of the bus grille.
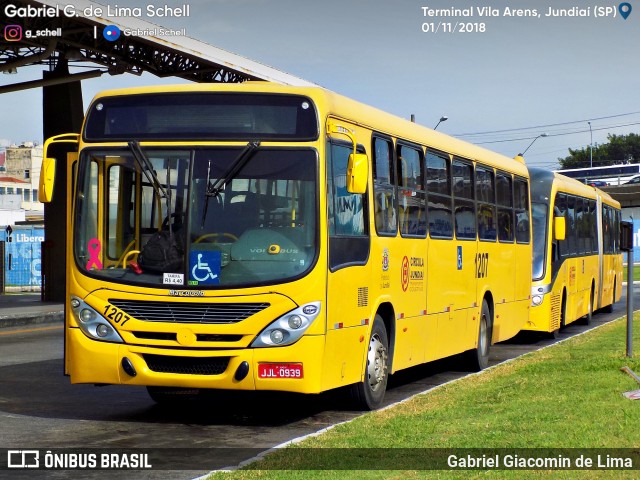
(186, 365)
(178, 312)
(556, 305)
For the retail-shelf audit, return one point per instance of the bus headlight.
(276, 336)
(295, 321)
(536, 300)
(289, 327)
(87, 315)
(92, 324)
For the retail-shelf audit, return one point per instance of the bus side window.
(349, 241)
(504, 191)
(383, 187)
(521, 207)
(486, 196)
(463, 199)
(411, 208)
(438, 173)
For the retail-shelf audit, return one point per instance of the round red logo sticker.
(405, 273)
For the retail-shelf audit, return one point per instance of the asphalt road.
(40, 409)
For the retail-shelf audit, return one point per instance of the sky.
(501, 87)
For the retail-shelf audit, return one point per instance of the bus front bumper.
(293, 368)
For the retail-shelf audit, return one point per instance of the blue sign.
(22, 257)
(204, 267)
(459, 257)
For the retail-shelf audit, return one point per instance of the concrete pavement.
(19, 309)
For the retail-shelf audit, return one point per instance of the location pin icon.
(624, 9)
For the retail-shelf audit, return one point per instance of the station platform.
(19, 309)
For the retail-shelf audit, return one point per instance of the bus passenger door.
(47, 261)
(348, 276)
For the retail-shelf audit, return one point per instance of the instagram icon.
(13, 33)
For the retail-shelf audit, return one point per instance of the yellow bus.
(577, 261)
(265, 237)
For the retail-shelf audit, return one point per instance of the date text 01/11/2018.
(450, 27)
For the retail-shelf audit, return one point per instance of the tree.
(619, 149)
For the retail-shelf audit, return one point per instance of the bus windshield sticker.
(173, 279)
(94, 248)
(204, 267)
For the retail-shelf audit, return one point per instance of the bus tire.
(478, 358)
(589, 316)
(369, 393)
(172, 395)
(609, 308)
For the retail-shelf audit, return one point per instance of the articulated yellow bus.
(264, 237)
(577, 261)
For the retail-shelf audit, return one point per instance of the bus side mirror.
(47, 179)
(48, 170)
(559, 228)
(626, 236)
(357, 173)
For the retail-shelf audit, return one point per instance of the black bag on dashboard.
(163, 253)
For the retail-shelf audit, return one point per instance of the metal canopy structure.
(81, 40)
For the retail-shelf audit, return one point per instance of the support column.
(62, 110)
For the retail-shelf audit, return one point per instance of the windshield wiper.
(147, 169)
(150, 173)
(213, 190)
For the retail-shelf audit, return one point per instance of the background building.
(19, 179)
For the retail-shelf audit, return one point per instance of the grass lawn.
(568, 396)
(636, 273)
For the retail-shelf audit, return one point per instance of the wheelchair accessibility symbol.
(204, 267)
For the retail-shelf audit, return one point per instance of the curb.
(22, 319)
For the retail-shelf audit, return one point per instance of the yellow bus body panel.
(427, 291)
(580, 279)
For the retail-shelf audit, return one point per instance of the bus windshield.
(261, 226)
(540, 215)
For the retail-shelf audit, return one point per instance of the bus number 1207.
(482, 265)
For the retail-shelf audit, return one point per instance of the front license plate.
(280, 370)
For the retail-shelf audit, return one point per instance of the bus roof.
(349, 110)
(542, 179)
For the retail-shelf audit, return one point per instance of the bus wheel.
(172, 395)
(589, 316)
(609, 308)
(478, 358)
(369, 393)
